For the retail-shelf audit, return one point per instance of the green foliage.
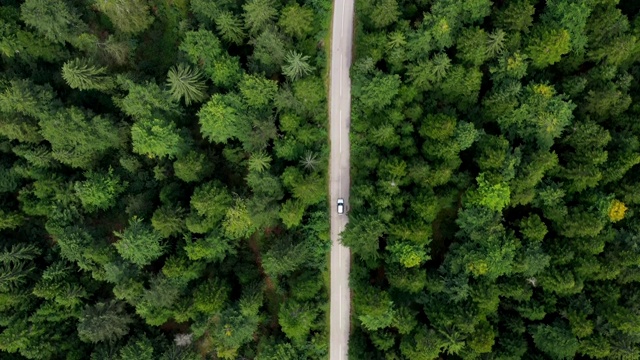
(492, 196)
(55, 19)
(139, 243)
(81, 74)
(205, 50)
(191, 167)
(220, 119)
(257, 91)
(184, 82)
(296, 20)
(157, 138)
(89, 141)
(555, 340)
(139, 348)
(210, 297)
(237, 222)
(103, 322)
(99, 191)
(230, 27)
(296, 66)
(296, 320)
(548, 46)
(168, 220)
(78, 139)
(258, 14)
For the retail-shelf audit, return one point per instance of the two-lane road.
(339, 178)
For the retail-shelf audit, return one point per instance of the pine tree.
(104, 321)
(297, 65)
(80, 74)
(185, 82)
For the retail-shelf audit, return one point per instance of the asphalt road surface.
(339, 179)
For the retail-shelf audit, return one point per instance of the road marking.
(340, 80)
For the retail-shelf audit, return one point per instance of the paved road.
(339, 179)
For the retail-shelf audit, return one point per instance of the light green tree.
(82, 75)
(157, 138)
(129, 16)
(237, 223)
(220, 119)
(185, 82)
(139, 243)
(296, 20)
(547, 46)
(258, 14)
(230, 27)
(296, 66)
(191, 167)
(99, 191)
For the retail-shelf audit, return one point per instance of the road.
(339, 177)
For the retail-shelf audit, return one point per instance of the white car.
(340, 206)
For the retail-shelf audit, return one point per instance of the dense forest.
(496, 185)
(162, 179)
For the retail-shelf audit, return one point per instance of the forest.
(163, 187)
(496, 186)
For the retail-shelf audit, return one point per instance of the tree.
(296, 320)
(258, 14)
(99, 191)
(104, 321)
(409, 255)
(364, 235)
(379, 92)
(138, 348)
(493, 196)
(79, 139)
(186, 83)
(191, 167)
(617, 210)
(220, 119)
(129, 16)
(210, 297)
(212, 201)
(296, 21)
(237, 223)
(259, 162)
(81, 74)
(385, 13)
(472, 46)
(374, 308)
(230, 27)
(146, 101)
(292, 212)
(296, 65)
(257, 91)
(495, 43)
(168, 220)
(515, 16)
(205, 50)
(555, 340)
(269, 51)
(55, 19)
(139, 243)
(157, 138)
(547, 46)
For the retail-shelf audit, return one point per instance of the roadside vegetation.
(495, 178)
(163, 179)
